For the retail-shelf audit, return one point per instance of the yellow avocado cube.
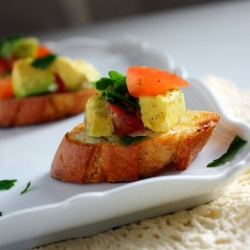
(73, 72)
(28, 80)
(161, 112)
(97, 117)
(87, 69)
(26, 47)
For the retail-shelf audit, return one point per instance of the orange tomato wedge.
(6, 89)
(147, 81)
(43, 51)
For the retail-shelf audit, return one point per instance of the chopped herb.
(103, 83)
(112, 96)
(127, 140)
(26, 189)
(121, 86)
(115, 76)
(43, 62)
(234, 147)
(119, 80)
(7, 184)
(8, 46)
(116, 81)
(115, 90)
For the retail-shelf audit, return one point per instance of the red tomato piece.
(6, 89)
(124, 121)
(4, 66)
(147, 81)
(59, 81)
(43, 51)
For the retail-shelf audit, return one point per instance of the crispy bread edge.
(77, 161)
(43, 108)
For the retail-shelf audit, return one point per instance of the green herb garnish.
(115, 76)
(234, 147)
(114, 80)
(0, 213)
(7, 184)
(43, 62)
(8, 46)
(121, 86)
(26, 189)
(103, 83)
(127, 140)
(115, 90)
(114, 97)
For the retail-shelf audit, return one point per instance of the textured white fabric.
(236, 102)
(221, 224)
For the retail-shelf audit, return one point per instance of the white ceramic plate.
(52, 210)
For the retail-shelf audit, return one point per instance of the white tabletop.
(205, 39)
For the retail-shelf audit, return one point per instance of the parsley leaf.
(112, 96)
(116, 81)
(121, 86)
(234, 147)
(115, 90)
(103, 83)
(115, 76)
(7, 184)
(43, 62)
(26, 189)
(127, 140)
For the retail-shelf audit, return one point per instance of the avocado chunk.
(28, 80)
(73, 72)
(161, 112)
(19, 47)
(97, 117)
(87, 69)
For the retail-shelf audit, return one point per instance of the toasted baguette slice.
(42, 108)
(81, 158)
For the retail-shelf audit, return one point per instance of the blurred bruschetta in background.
(37, 85)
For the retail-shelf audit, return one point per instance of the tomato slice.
(43, 50)
(124, 121)
(6, 89)
(4, 66)
(61, 85)
(147, 81)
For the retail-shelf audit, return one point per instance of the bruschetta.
(37, 85)
(135, 127)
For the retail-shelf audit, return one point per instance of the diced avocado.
(161, 112)
(28, 80)
(97, 117)
(87, 69)
(73, 73)
(19, 47)
(26, 47)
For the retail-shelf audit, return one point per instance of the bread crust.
(79, 159)
(42, 108)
